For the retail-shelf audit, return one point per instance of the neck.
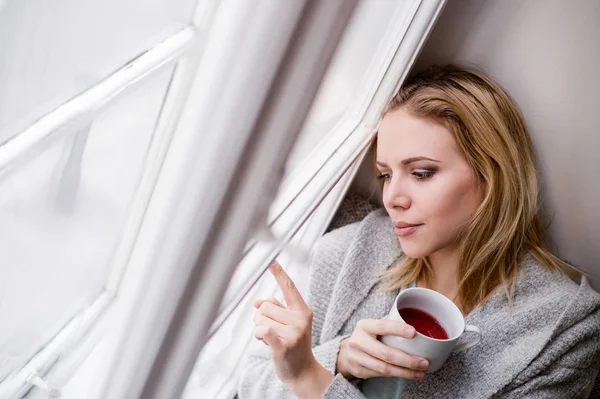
(444, 272)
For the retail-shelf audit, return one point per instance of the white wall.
(546, 53)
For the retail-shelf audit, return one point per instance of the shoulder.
(553, 296)
(567, 313)
(545, 303)
(537, 282)
(551, 320)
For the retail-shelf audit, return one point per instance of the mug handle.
(466, 345)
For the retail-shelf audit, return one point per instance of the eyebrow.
(410, 160)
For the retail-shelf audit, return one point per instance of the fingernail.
(410, 330)
(424, 364)
(419, 375)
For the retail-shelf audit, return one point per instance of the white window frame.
(181, 51)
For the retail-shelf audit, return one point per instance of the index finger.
(387, 326)
(290, 292)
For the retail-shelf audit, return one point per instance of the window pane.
(346, 75)
(61, 215)
(52, 50)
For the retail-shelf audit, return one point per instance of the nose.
(395, 195)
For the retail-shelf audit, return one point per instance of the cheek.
(444, 207)
(454, 203)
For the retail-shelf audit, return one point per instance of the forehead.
(402, 136)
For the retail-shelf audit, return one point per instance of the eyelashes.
(423, 174)
(418, 174)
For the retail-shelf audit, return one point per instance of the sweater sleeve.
(564, 369)
(340, 388)
(258, 378)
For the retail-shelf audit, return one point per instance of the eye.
(384, 176)
(422, 174)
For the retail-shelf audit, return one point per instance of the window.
(86, 117)
(59, 235)
(52, 52)
(193, 116)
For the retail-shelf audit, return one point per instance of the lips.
(402, 225)
(404, 229)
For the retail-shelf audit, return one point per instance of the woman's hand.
(363, 356)
(288, 333)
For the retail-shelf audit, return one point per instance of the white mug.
(445, 312)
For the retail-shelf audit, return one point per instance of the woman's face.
(429, 189)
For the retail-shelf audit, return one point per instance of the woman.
(462, 218)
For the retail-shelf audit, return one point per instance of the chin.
(414, 250)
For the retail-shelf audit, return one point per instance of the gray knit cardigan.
(546, 344)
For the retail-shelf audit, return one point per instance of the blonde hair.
(491, 134)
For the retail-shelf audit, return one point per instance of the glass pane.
(345, 78)
(61, 216)
(52, 50)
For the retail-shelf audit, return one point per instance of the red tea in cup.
(438, 320)
(423, 322)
